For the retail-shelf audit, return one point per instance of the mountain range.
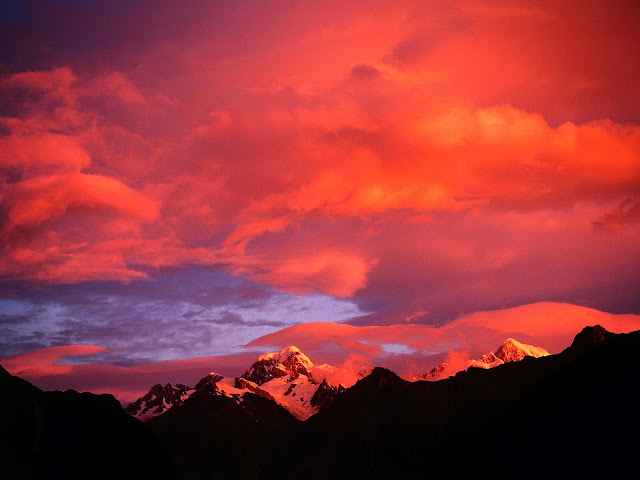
(284, 377)
(287, 378)
(571, 414)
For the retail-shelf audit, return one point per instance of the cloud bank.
(341, 353)
(379, 163)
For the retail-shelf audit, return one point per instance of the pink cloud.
(269, 158)
(57, 81)
(551, 326)
(29, 152)
(115, 84)
(336, 273)
(44, 369)
(347, 373)
(33, 201)
(341, 353)
(44, 362)
(415, 316)
(625, 217)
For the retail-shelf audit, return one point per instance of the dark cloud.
(181, 313)
(13, 319)
(625, 217)
(205, 287)
(365, 72)
(230, 318)
(20, 347)
(412, 50)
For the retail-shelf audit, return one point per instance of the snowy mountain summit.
(510, 351)
(513, 351)
(284, 377)
(158, 400)
(289, 363)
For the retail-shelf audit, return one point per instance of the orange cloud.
(340, 352)
(336, 273)
(347, 373)
(551, 326)
(28, 152)
(392, 115)
(31, 202)
(416, 315)
(42, 368)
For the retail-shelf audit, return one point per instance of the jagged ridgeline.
(285, 378)
(516, 409)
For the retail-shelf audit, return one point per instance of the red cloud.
(336, 168)
(43, 369)
(54, 82)
(44, 362)
(335, 273)
(340, 352)
(548, 325)
(33, 201)
(626, 217)
(397, 117)
(41, 151)
(115, 84)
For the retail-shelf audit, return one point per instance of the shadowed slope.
(573, 414)
(72, 435)
(538, 416)
(212, 436)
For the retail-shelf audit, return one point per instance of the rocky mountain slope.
(284, 377)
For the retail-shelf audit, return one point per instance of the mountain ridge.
(72, 435)
(510, 350)
(454, 418)
(534, 416)
(284, 377)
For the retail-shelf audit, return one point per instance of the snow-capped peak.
(510, 350)
(289, 362)
(284, 353)
(158, 400)
(284, 377)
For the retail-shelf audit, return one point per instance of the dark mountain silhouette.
(568, 414)
(71, 435)
(212, 436)
(573, 415)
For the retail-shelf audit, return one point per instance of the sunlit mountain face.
(184, 187)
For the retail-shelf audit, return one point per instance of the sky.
(184, 185)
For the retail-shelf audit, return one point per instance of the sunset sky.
(180, 179)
